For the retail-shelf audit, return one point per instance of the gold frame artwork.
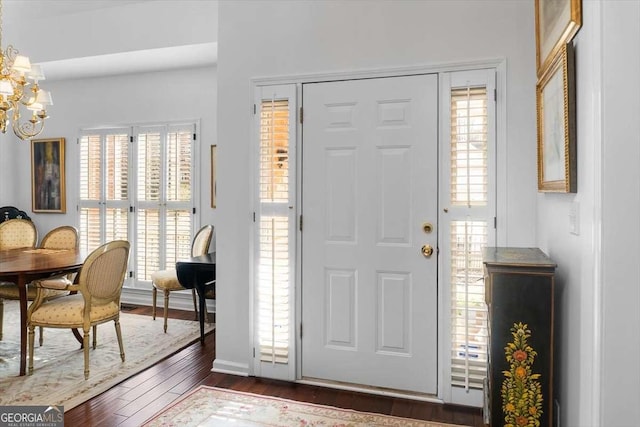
(47, 176)
(556, 117)
(557, 22)
(214, 154)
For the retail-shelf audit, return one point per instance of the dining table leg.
(22, 292)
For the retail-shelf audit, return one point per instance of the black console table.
(198, 272)
(519, 286)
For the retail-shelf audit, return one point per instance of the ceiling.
(112, 64)
(36, 9)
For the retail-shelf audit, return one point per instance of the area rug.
(209, 406)
(58, 374)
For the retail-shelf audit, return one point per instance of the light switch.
(574, 218)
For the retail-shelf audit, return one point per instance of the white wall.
(275, 38)
(620, 391)
(598, 270)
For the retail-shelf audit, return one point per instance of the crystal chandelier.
(19, 89)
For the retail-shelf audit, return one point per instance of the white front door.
(369, 184)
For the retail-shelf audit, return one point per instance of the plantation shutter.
(90, 191)
(164, 197)
(274, 241)
(468, 236)
(144, 189)
(179, 225)
(104, 186)
(468, 194)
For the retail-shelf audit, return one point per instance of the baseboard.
(233, 368)
(178, 300)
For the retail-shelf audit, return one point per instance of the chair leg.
(155, 297)
(85, 346)
(41, 337)
(31, 340)
(195, 303)
(1, 316)
(166, 309)
(95, 336)
(119, 334)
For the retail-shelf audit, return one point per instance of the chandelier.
(19, 90)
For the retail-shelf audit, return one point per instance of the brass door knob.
(427, 251)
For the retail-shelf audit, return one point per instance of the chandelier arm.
(28, 129)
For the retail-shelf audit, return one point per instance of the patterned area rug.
(209, 406)
(58, 374)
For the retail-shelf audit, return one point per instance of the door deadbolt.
(427, 227)
(427, 251)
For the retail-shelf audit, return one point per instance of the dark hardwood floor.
(137, 399)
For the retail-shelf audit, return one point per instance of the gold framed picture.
(556, 117)
(47, 176)
(557, 22)
(213, 175)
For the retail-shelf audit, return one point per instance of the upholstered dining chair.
(99, 286)
(63, 237)
(17, 233)
(167, 280)
(14, 233)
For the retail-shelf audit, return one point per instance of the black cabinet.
(519, 286)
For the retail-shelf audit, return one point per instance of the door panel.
(369, 296)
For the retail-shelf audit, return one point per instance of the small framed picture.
(556, 116)
(47, 176)
(557, 22)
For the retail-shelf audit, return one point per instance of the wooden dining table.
(24, 265)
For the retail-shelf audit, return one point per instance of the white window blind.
(468, 182)
(273, 265)
(469, 146)
(164, 197)
(469, 332)
(104, 186)
(274, 241)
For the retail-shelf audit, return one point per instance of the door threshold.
(389, 392)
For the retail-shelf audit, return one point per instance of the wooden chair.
(167, 280)
(17, 233)
(97, 299)
(64, 237)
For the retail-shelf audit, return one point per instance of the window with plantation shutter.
(104, 187)
(469, 333)
(164, 197)
(469, 146)
(141, 191)
(468, 195)
(274, 241)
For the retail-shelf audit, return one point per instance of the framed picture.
(557, 22)
(47, 176)
(556, 114)
(213, 175)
